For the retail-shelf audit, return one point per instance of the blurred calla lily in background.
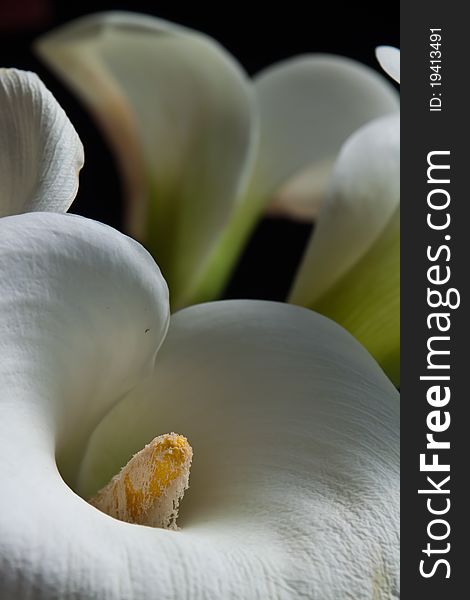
(203, 149)
(294, 489)
(351, 269)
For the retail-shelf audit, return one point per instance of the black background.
(257, 34)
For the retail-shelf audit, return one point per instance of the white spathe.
(202, 149)
(364, 194)
(177, 110)
(389, 59)
(41, 153)
(308, 107)
(351, 268)
(294, 488)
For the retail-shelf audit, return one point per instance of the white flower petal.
(295, 471)
(83, 310)
(178, 112)
(294, 489)
(352, 262)
(389, 59)
(40, 151)
(308, 107)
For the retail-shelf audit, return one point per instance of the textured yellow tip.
(149, 488)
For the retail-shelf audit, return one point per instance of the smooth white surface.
(389, 59)
(309, 106)
(363, 196)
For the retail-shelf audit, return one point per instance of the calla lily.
(294, 487)
(202, 148)
(351, 268)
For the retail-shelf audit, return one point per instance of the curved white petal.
(308, 107)
(355, 243)
(389, 60)
(40, 151)
(294, 483)
(83, 310)
(178, 112)
(295, 488)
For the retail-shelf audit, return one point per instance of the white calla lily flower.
(294, 486)
(202, 148)
(351, 268)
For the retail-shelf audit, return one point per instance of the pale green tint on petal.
(366, 301)
(389, 60)
(364, 193)
(351, 267)
(216, 271)
(308, 107)
(295, 435)
(178, 112)
(40, 151)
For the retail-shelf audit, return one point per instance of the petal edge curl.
(40, 151)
